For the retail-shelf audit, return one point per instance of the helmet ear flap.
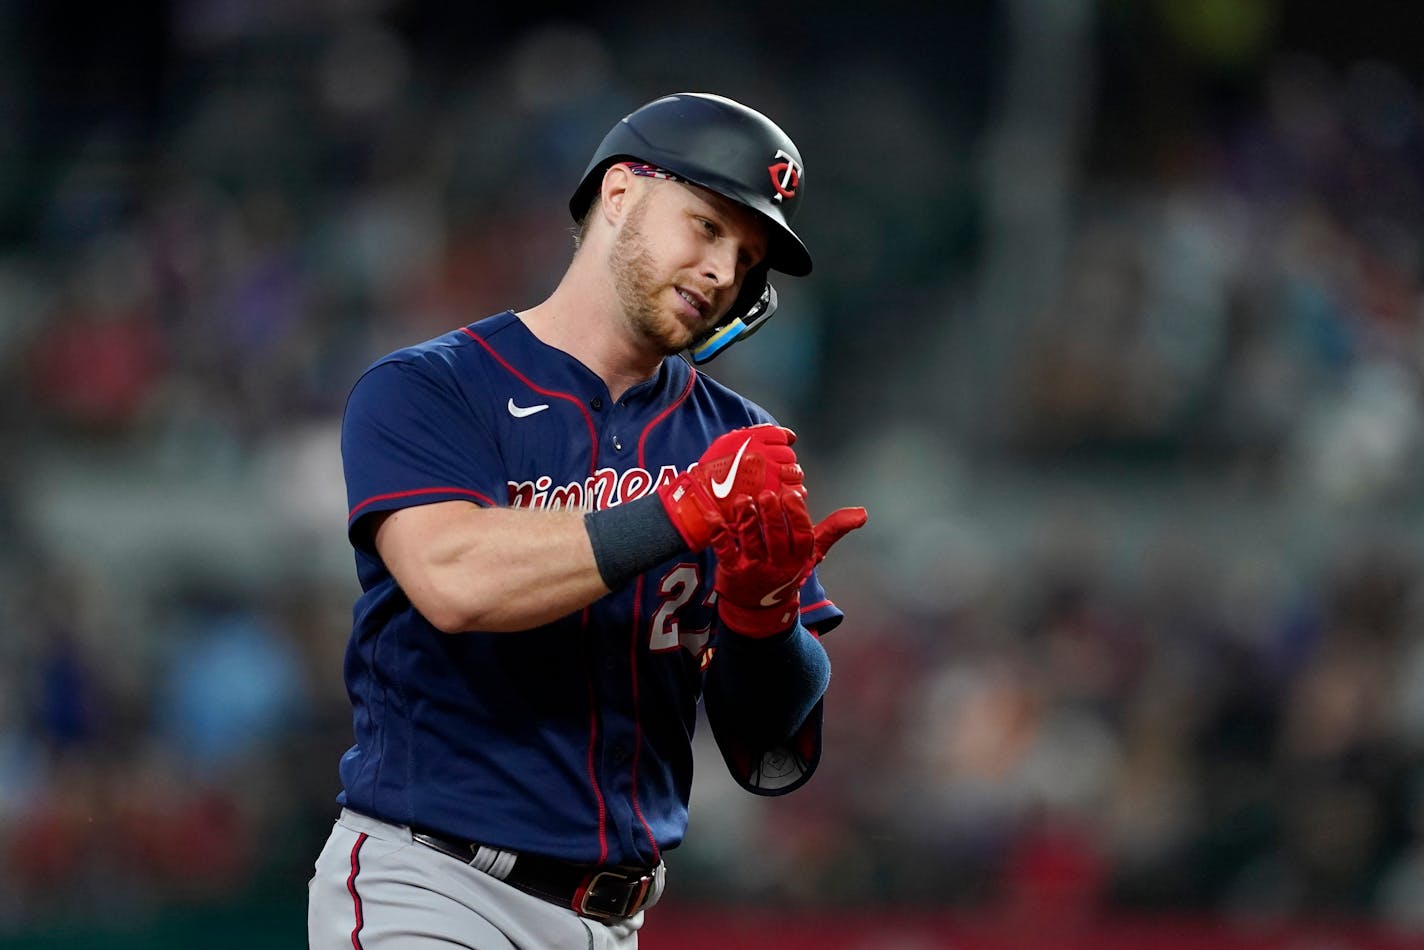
(752, 308)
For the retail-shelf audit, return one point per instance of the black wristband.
(630, 538)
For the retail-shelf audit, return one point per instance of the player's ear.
(616, 191)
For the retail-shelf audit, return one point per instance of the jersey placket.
(619, 700)
(612, 433)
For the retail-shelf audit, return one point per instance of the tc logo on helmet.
(785, 176)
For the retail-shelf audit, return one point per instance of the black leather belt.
(591, 890)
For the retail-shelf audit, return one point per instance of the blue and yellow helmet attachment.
(742, 321)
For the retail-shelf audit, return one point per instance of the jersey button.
(596, 403)
(617, 444)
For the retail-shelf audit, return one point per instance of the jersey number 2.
(677, 588)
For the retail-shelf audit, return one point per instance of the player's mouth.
(694, 304)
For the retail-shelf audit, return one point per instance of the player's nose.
(720, 264)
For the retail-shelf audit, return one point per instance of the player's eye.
(709, 228)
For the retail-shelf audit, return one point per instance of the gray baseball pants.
(376, 888)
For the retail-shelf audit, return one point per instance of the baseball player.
(566, 536)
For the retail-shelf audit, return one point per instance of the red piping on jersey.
(592, 744)
(592, 469)
(637, 711)
(420, 491)
(637, 608)
(588, 419)
(643, 439)
(816, 606)
(351, 887)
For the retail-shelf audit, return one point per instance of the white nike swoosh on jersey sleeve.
(519, 412)
(720, 487)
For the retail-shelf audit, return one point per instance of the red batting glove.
(744, 461)
(833, 527)
(766, 552)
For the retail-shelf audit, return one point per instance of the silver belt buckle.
(628, 907)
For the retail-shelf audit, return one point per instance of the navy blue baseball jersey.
(573, 739)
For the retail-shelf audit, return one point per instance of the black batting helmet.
(735, 151)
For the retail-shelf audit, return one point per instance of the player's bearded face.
(645, 291)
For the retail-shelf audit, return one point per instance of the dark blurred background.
(1117, 328)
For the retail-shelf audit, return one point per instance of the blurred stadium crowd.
(1116, 329)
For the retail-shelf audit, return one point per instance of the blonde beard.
(638, 287)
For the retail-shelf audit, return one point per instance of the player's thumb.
(835, 526)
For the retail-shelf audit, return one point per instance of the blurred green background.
(1115, 328)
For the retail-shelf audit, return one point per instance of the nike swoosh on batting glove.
(743, 461)
(765, 552)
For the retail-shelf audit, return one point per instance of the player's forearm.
(763, 689)
(497, 569)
